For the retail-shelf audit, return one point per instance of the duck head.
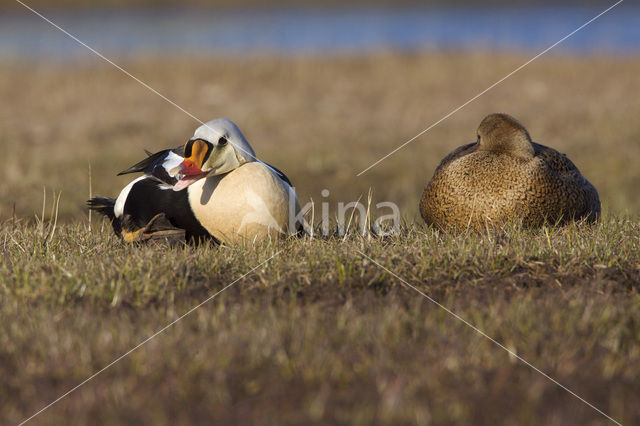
(503, 134)
(216, 147)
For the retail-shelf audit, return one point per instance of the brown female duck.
(505, 177)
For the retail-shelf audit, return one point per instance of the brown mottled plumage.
(505, 177)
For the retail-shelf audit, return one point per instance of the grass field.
(319, 333)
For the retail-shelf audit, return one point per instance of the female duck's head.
(503, 134)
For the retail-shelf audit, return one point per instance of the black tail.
(105, 206)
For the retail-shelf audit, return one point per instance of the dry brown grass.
(321, 120)
(318, 334)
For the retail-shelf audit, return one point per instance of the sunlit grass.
(319, 333)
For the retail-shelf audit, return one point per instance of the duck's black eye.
(222, 141)
(187, 148)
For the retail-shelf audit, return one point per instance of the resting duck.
(503, 177)
(213, 187)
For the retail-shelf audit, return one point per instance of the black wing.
(280, 174)
(158, 165)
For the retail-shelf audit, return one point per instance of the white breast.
(248, 204)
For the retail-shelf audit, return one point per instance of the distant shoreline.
(312, 30)
(63, 5)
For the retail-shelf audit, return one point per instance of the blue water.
(316, 31)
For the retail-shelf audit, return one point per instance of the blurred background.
(321, 90)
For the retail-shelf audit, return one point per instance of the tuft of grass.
(319, 333)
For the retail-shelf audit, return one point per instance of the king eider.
(505, 177)
(213, 187)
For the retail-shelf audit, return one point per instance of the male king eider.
(212, 187)
(505, 177)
